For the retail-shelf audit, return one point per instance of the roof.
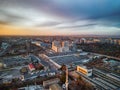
(55, 87)
(51, 80)
(32, 87)
(74, 74)
(31, 66)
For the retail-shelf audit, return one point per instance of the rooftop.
(55, 87)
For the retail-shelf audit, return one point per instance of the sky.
(59, 17)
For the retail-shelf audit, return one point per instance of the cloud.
(4, 23)
(76, 26)
(48, 24)
(10, 18)
(62, 14)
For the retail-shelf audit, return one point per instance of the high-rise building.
(60, 46)
(118, 42)
(65, 44)
(83, 40)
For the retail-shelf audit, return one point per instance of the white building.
(4, 45)
(83, 40)
(84, 70)
(32, 87)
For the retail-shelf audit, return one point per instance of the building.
(34, 75)
(104, 40)
(111, 41)
(31, 67)
(90, 41)
(115, 41)
(84, 70)
(4, 45)
(58, 46)
(118, 42)
(65, 44)
(50, 82)
(55, 87)
(74, 75)
(2, 65)
(96, 40)
(65, 49)
(37, 43)
(32, 87)
(83, 40)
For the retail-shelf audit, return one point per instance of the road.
(106, 56)
(48, 62)
(62, 55)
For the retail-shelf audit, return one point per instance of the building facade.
(84, 70)
(58, 46)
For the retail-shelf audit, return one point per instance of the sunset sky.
(59, 17)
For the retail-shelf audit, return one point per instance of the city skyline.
(59, 17)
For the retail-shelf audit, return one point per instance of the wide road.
(47, 62)
(106, 56)
(61, 56)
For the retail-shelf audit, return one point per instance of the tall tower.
(66, 83)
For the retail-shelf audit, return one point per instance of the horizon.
(59, 18)
(78, 36)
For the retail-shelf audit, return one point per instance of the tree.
(63, 78)
(63, 67)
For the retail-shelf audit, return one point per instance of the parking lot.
(70, 59)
